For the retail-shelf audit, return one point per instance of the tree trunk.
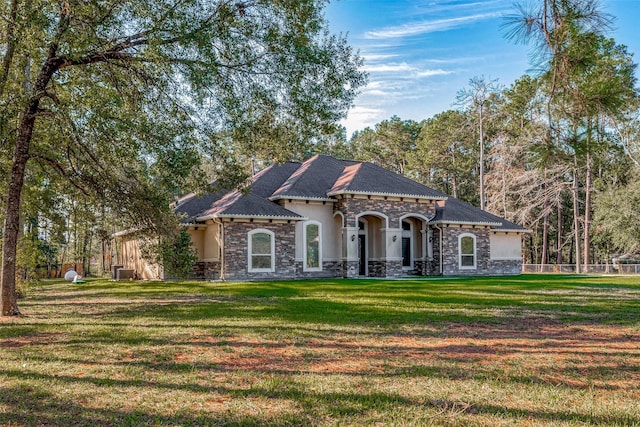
(576, 218)
(12, 212)
(482, 198)
(544, 258)
(14, 189)
(532, 253)
(454, 185)
(559, 254)
(587, 214)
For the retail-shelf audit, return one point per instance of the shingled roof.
(321, 178)
(456, 211)
(367, 178)
(313, 178)
(233, 203)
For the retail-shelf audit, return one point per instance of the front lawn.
(525, 350)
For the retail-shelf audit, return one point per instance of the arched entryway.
(371, 244)
(415, 244)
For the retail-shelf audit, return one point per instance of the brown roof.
(321, 178)
(233, 203)
(367, 178)
(456, 211)
(313, 179)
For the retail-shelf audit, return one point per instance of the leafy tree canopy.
(123, 99)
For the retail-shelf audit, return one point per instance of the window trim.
(475, 252)
(250, 254)
(304, 246)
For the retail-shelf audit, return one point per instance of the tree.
(477, 98)
(389, 144)
(176, 254)
(445, 155)
(572, 54)
(123, 98)
(617, 216)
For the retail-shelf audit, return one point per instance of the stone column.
(393, 251)
(426, 250)
(350, 255)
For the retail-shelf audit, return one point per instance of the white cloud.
(361, 116)
(377, 57)
(429, 73)
(426, 27)
(388, 68)
(405, 70)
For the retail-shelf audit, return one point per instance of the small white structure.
(70, 275)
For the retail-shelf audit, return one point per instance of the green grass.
(526, 350)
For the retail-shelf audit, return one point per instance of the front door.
(362, 252)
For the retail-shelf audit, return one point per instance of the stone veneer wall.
(377, 268)
(450, 262)
(350, 269)
(505, 266)
(206, 270)
(484, 264)
(432, 267)
(393, 209)
(419, 268)
(236, 257)
(329, 269)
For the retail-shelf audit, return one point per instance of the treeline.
(560, 156)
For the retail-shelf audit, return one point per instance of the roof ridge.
(291, 184)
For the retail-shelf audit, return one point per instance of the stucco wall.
(197, 241)
(131, 257)
(505, 246)
(205, 239)
(331, 228)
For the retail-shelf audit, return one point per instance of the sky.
(420, 53)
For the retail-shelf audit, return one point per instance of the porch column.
(350, 256)
(393, 251)
(426, 251)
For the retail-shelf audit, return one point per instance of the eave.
(311, 199)
(244, 216)
(490, 224)
(397, 195)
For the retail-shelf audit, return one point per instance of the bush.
(177, 255)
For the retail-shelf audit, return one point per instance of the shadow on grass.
(32, 406)
(387, 313)
(362, 302)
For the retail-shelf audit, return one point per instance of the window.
(467, 249)
(312, 247)
(261, 251)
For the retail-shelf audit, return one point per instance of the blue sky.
(419, 53)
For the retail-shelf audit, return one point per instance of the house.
(336, 218)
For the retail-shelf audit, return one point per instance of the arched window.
(312, 246)
(467, 251)
(261, 251)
